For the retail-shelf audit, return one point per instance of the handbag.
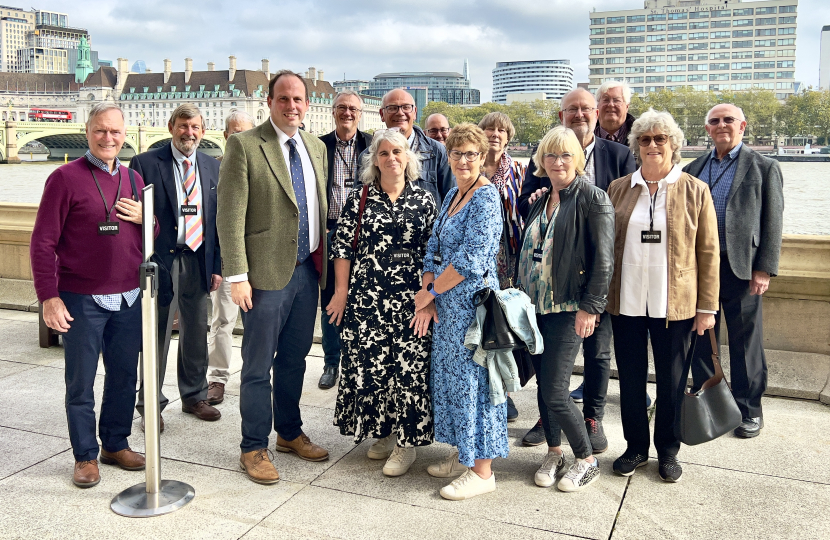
(359, 220)
(710, 412)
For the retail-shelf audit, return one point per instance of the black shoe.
(670, 469)
(512, 411)
(596, 435)
(329, 377)
(535, 436)
(750, 427)
(578, 394)
(626, 464)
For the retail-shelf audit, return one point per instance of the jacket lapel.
(204, 185)
(165, 165)
(317, 165)
(744, 160)
(274, 156)
(600, 159)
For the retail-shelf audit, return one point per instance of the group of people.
(395, 234)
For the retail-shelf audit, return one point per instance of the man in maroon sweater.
(85, 253)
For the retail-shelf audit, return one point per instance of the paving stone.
(17, 294)
(10, 368)
(22, 449)
(19, 343)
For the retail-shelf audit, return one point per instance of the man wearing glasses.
(343, 146)
(748, 192)
(399, 112)
(605, 161)
(614, 119)
(438, 127)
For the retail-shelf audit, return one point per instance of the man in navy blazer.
(605, 162)
(187, 247)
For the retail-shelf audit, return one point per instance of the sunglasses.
(659, 140)
(728, 120)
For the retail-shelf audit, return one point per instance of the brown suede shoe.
(203, 411)
(126, 459)
(86, 474)
(216, 393)
(257, 465)
(303, 447)
(161, 424)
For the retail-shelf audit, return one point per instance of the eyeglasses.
(455, 155)
(393, 109)
(614, 101)
(728, 120)
(436, 131)
(659, 140)
(343, 108)
(575, 110)
(566, 158)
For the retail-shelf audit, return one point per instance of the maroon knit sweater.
(66, 252)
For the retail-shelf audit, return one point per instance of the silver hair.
(608, 85)
(344, 93)
(238, 116)
(574, 91)
(740, 111)
(370, 173)
(655, 121)
(101, 108)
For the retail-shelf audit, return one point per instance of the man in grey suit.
(271, 220)
(748, 192)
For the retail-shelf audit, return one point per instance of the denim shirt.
(501, 367)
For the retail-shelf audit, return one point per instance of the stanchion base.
(136, 502)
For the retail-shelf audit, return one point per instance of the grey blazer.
(754, 213)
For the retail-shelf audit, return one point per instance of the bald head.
(578, 111)
(393, 113)
(438, 127)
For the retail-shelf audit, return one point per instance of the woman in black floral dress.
(384, 389)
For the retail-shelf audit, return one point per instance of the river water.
(806, 192)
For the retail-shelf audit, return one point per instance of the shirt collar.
(179, 157)
(350, 142)
(732, 153)
(281, 135)
(590, 147)
(101, 165)
(671, 178)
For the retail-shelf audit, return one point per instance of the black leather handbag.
(711, 411)
(496, 332)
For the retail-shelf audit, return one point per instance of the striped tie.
(192, 224)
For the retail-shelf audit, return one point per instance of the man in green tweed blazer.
(271, 220)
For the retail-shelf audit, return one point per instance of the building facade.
(447, 86)
(824, 60)
(704, 44)
(15, 25)
(554, 78)
(355, 85)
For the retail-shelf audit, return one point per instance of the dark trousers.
(190, 297)
(596, 350)
(744, 323)
(278, 333)
(553, 376)
(670, 345)
(116, 335)
(331, 332)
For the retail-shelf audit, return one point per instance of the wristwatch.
(432, 291)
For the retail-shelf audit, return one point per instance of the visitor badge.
(437, 259)
(537, 255)
(108, 228)
(651, 237)
(189, 210)
(348, 183)
(400, 256)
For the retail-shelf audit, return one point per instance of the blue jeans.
(116, 334)
(331, 332)
(281, 321)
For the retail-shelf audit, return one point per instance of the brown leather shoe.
(257, 465)
(216, 393)
(202, 411)
(303, 447)
(86, 474)
(126, 459)
(161, 424)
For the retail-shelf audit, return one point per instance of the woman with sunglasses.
(665, 285)
(565, 264)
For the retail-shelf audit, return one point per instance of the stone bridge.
(69, 139)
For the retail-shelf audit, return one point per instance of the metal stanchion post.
(153, 497)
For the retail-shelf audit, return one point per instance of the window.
(597, 31)
(611, 71)
(741, 76)
(742, 44)
(601, 20)
(614, 60)
(698, 46)
(657, 58)
(784, 86)
(721, 24)
(630, 50)
(595, 71)
(659, 37)
(785, 42)
(635, 39)
(657, 28)
(614, 41)
(718, 66)
(678, 16)
(741, 33)
(720, 44)
(742, 12)
(656, 48)
(676, 58)
(677, 26)
(764, 54)
(789, 31)
(676, 47)
(675, 78)
(597, 41)
(699, 15)
(718, 87)
(742, 86)
(638, 28)
(764, 75)
(655, 69)
(720, 35)
(786, 74)
(677, 37)
(786, 52)
(720, 77)
(766, 11)
(616, 29)
(718, 56)
(742, 55)
(693, 78)
(786, 20)
(636, 18)
(634, 80)
(657, 17)
(699, 35)
(786, 9)
(767, 64)
(616, 20)
(636, 69)
(655, 79)
(596, 61)
(698, 25)
(597, 51)
(767, 21)
(765, 43)
(696, 57)
(675, 68)
(765, 32)
(634, 60)
(721, 13)
(614, 50)
(654, 88)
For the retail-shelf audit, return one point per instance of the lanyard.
(108, 211)
(590, 157)
(712, 185)
(652, 205)
(187, 194)
(446, 216)
(349, 166)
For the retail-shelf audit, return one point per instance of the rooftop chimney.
(167, 70)
(232, 67)
(148, 70)
(266, 68)
(188, 69)
(123, 72)
(211, 66)
(312, 74)
(320, 75)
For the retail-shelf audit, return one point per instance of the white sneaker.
(448, 468)
(579, 476)
(382, 448)
(399, 462)
(468, 485)
(551, 467)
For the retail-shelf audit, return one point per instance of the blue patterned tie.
(298, 181)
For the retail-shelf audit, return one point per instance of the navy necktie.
(298, 182)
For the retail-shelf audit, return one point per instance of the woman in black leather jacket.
(565, 265)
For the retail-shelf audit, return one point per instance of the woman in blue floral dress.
(460, 260)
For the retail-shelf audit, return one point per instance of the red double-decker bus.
(49, 115)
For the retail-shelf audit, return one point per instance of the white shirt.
(312, 203)
(590, 169)
(178, 171)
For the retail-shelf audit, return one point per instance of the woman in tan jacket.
(665, 285)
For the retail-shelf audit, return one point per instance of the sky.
(360, 39)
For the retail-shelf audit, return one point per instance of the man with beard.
(188, 248)
(605, 161)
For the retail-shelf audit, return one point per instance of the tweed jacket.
(258, 216)
(754, 213)
(691, 240)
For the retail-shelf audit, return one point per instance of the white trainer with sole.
(447, 468)
(550, 469)
(399, 462)
(468, 485)
(382, 448)
(579, 476)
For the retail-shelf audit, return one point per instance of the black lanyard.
(652, 205)
(589, 158)
(446, 216)
(108, 211)
(709, 176)
(349, 166)
(187, 194)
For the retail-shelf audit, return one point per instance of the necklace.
(651, 181)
